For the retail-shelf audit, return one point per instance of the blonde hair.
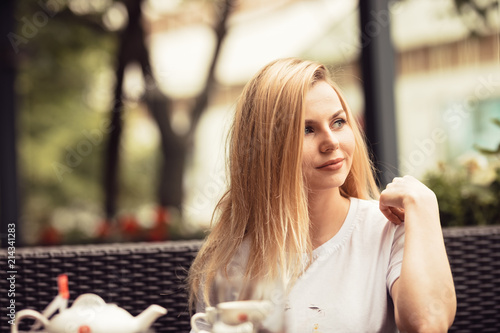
(266, 201)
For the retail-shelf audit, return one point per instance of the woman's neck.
(327, 213)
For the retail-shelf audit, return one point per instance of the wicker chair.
(132, 275)
(136, 275)
(474, 254)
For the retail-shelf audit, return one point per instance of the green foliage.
(469, 194)
(65, 85)
(461, 202)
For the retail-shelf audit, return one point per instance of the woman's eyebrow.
(333, 116)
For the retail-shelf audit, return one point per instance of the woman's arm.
(424, 295)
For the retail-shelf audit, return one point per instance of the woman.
(301, 182)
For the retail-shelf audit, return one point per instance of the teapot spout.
(148, 316)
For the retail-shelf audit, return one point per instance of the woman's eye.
(338, 123)
(308, 130)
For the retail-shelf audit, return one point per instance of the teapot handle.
(27, 313)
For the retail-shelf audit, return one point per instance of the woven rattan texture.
(474, 255)
(133, 276)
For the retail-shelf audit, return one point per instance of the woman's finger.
(400, 213)
(388, 213)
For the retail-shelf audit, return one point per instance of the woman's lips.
(332, 165)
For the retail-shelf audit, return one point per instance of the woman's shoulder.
(367, 208)
(368, 215)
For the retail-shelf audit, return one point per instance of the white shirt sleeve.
(396, 259)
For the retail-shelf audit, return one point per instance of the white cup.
(220, 327)
(208, 316)
(238, 312)
(234, 316)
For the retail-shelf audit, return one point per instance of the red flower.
(50, 236)
(129, 225)
(162, 216)
(104, 229)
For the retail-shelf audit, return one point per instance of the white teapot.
(90, 314)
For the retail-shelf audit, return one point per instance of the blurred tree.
(59, 60)
(65, 51)
(174, 147)
(480, 16)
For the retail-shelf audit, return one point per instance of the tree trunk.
(127, 52)
(176, 149)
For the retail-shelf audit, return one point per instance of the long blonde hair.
(266, 201)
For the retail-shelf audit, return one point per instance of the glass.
(243, 306)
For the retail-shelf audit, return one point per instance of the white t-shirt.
(347, 287)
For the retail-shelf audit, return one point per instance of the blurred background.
(120, 109)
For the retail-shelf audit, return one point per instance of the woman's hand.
(402, 193)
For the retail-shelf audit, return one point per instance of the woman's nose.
(329, 142)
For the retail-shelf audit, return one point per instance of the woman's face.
(328, 142)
